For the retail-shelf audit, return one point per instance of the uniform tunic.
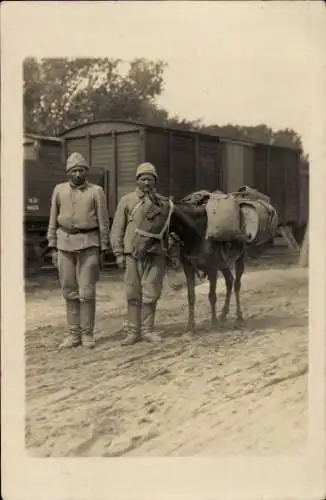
(81, 207)
(143, 279)
(128, 216)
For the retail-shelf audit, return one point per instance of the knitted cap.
(76, 160)
(146, 168)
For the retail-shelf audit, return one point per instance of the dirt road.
(226, 392)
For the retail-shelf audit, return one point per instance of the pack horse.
(211, 232)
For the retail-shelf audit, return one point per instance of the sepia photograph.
(177, 252)
(166, 230)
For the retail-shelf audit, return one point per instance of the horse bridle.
(164, 229)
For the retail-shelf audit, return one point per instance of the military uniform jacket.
(74, 208)
(127, 218)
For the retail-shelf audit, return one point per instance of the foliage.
(61, 93)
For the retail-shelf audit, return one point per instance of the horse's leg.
(212, 278)
(239, 269)
(228, 276)
(190, 276)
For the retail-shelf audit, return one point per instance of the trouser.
(79, 273)
(144, 283)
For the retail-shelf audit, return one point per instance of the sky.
(241, 62)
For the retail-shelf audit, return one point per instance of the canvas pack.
(223, 217)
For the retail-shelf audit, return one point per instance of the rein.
(165, 227)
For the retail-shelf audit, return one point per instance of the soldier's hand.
(120, 260)
(54, 255)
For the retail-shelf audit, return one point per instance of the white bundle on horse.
(245, 215)
(259, 217)
(223, 217)
(259, 220)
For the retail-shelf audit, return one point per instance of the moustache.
(78, 180)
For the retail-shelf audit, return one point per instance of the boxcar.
(42, 169)
(185, 160)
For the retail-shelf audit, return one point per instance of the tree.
(61, 93)
(287, 138)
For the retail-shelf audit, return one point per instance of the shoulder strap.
(134, 210)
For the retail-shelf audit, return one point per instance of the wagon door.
(235, 169)
(260, 169)
(102, 166)
(97, 151)
(158, 153)
(78, 145)
(129, 153)
(183, 169)
(208, 172)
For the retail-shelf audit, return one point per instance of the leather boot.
(73, 323)
(149, 333)
(133, 328)
(87, 321)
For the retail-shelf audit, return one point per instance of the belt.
(76, 230)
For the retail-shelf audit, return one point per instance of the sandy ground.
(227, 391)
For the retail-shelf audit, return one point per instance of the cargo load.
(245, 216)
(223, 218)
(259, 217)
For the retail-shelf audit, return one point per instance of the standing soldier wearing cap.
(143, 279)
(78, 233)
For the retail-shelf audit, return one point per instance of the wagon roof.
(177, 130)
(37, 137)
(143, 125)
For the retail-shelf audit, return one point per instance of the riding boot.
(72, 338)
(87, 321)
(149, 333)
(133, 327)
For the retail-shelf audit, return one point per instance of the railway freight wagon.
(43, 168)
(187, 161)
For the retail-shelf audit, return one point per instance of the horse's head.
(189, 219)
(154, 226)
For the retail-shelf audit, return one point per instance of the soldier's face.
(77, 175)
(146, 182)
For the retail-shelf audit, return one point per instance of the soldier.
(143, 278)
(78, 235)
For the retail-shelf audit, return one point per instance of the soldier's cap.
(76, 160)
(146, 168)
